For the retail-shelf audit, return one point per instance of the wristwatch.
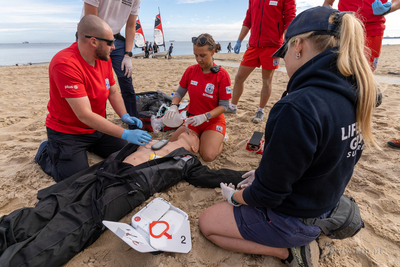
(387, 12)
(208, 115)
(233, 201)
(128, 53)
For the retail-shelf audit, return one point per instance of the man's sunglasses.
(201, 41)
(109, 42)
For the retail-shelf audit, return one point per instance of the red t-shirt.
(72, 77)
(205, 90)
(374, 24)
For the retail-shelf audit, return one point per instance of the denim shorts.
(273, 229)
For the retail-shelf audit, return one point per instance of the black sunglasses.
(201, 41)
(109, 42)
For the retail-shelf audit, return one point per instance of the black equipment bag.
(344, 221)
(148, 104)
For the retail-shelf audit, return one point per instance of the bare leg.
(240, 78)
(266, 89)
(211, 145)
(217, 223)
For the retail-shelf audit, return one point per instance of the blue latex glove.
(236, 49)
(138, 137)
(126, 118)
(381, 9)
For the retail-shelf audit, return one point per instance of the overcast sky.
(50, 21)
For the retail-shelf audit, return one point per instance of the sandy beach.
(375, 183)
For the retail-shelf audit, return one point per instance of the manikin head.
(190, 141)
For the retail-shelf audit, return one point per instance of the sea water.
(31, 53)
(37, 53)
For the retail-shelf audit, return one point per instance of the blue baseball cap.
(313, 19)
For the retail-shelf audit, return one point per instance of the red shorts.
(260, 56)
(217, 124)
(374, 43)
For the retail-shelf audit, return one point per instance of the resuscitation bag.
(175, 121)
(159, 226)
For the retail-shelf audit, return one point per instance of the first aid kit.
(159, 226)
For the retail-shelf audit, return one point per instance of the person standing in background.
(372, 13)
(267, 21)
(229, 47)
(118, 13)
(171, 47)
(155, 47)
(146, 49)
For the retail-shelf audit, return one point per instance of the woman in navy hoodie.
(313, 141)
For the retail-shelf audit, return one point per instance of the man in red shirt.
(371, 13)
(267, 20)
(81, 82)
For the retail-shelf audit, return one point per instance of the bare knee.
(210, 145)
(240, 78)
(267, 82)
(204, 223)
(209, 156)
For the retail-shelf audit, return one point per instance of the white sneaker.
(259, 117)
(226, 137)
(231, 111)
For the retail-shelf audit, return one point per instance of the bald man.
(81, 82)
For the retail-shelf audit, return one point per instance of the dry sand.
(375, 183)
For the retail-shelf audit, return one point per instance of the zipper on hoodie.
(262, 14)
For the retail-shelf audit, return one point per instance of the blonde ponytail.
(352, 62)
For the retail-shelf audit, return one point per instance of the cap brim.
(281, 52)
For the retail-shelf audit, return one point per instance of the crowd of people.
(306, 162)
(149, 48)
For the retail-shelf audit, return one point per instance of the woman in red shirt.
(209, 88)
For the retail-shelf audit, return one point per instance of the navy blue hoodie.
(311, 142)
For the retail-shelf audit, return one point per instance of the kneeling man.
(81, 82)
